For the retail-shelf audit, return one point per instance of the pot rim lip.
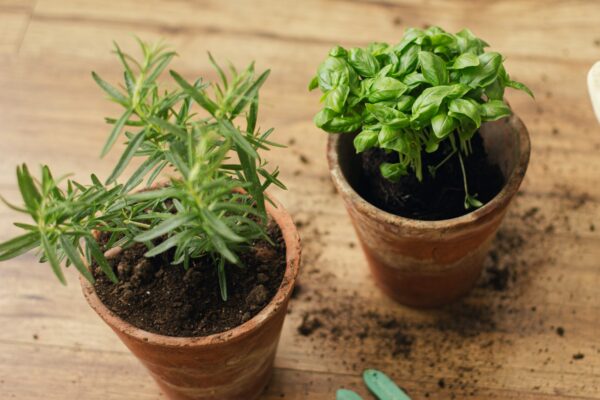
(500, 201)
(283, 294)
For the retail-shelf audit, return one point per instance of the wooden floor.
(535, 336)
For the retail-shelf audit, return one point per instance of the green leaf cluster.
(379, 384)
(408, 98)
(213, 205)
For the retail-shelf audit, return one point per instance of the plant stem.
(464, 174)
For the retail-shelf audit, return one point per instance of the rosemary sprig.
(214, 204)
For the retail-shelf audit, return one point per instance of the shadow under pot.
(233, 365)
(430, 263)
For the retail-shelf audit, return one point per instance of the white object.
(594, 88)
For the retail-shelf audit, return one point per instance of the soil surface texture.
(437, 197)
(166, 299)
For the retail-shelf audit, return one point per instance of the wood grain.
(53, 346)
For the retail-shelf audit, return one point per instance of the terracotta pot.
(233, 365)
(430, 263)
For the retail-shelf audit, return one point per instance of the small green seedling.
(379, 384)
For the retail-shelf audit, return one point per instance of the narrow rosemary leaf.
(127, 123)
(240, 140)
(250, 94)
(164, 227)
(219, 70)
(166, 244)
(252, 115)
(12, 206)
(50, 254)
(112, 92)
(126, 157)
(219, 227)
(169, 127)
(222, 248)
(29, 192)
(75, 258)
(165, 59)
(98, 256)
(155, 194)
(222, 280)
(197, 94)
(121, 56)
(137, 177)
(115, 132)
(19, 245)
(27, 227)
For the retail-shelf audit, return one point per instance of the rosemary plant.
(213, 205)
(409, 98)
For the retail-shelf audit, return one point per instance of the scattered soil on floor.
(429, 343)
(166, 299)
(436, 197)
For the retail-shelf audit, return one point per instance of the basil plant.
(431, 87)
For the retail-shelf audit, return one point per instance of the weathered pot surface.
(430, 263)
(233, 365)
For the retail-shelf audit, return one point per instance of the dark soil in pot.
(166, 299)
(436, 197)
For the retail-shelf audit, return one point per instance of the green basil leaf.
(465, 60)
(433, 68)
(494, 110)
(335, 99)
(363, 62)
(411, 35)
(407, 62)
(443, 124)
(365, 140)
(387, 137)
(333, 72)
(467, 107)
(330, 121)
(520, 86)
(323, 117)
(338, 51)
(413, 80)
(393, 171)
(314, 83)
(388, 116)
(429, 102)
(485, 73)
(385, 88)
(495, 91)
(378, 48)
(405, 102)
(468, 43)
(438, 37)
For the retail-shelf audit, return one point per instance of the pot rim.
(283, 294)
(501, 200)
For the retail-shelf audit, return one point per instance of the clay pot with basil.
(426, 153)
(430, 263)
